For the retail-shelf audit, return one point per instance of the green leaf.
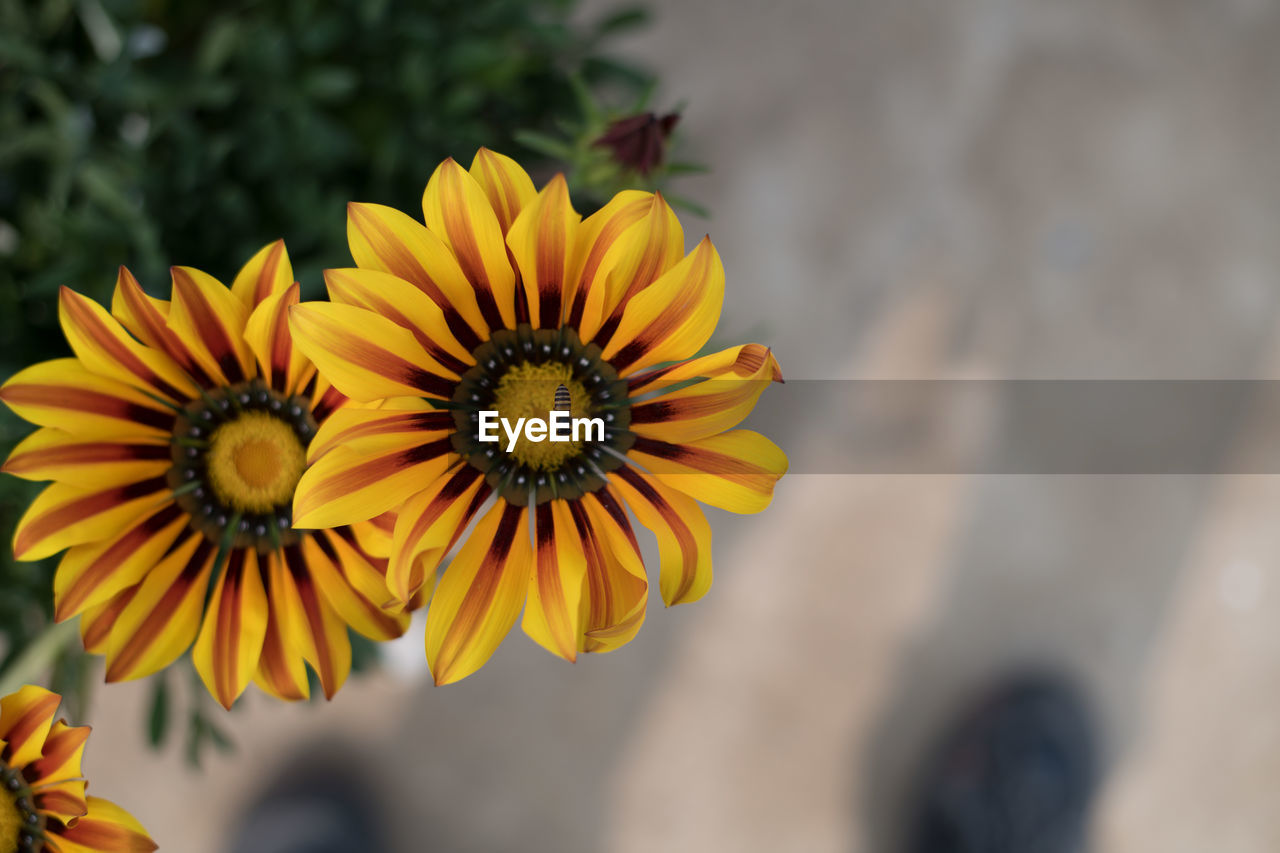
(158, 718)
(623, 20)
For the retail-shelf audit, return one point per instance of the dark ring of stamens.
(31, 834)
(584, 472)
(189, 475)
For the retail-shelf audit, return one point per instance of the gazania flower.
(503, 296)
(174, 440)
(43, 806)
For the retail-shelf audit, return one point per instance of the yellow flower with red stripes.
(501, 297)
(174, 439)
(43, 805)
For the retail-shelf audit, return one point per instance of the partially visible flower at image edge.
(504, 295)
(43, 805)
(174, 439)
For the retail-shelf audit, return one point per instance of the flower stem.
(37, 659)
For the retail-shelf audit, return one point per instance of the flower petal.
(337, 569)
(96, 622)
(673, 317)
(405, 305)
(428, 526)
(326, 646)
(62, 515)
(370, 430)
(383, 239)
(106, 348)
(91, 574)
(62, 393)
(107, 828)
(266, 274)
(733, 381)
(345, 486)
(211, 320)
(684, 537)
(148, 319)
(458, 212)
(552, 612)
(639, 256)
(735, 470)
(162, 618)
(596, 235)
(366, 356)
(267, 334)
(58, 781)
(282, 671)
(616, 592)
(479, 596)
(25, 720)
(507, 186)
(542, 242)
(52, 454)
(229, 645)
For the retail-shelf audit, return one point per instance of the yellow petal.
(62, 393)
(542, 242)
(211, 320)
(267, 334)
(428, 526)
(640, 255)
(735, 470)
(96, 622)
(458, 212)
(366, 356)
(596, 235)
(405, 305)
(62, 515)
(104, 347)
(229, 645)
(344, 486)
(93, 573)
(382, 239)
(58, 781)
(374, 430)
(162, 618)
(552, 612)
(479, 597)
(25, 720)
(672, 318)
(52, 454)
(267, 273)
(282, 669)
(507, 186)
(733, 381)
(684, 537)
(107, 828)
(616, 592)
(338, 569)
(147, 318)
(326, 647)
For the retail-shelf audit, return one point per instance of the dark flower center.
(237, 455)
(517, 374)
(22, 828)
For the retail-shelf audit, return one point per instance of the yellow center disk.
(528, 391)
(10, 823)
(254, 462)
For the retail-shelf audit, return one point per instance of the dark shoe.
(1015, 775)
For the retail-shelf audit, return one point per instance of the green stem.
(37, 659)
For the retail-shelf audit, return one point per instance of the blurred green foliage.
(151, 132)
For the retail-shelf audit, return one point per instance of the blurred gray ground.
(978, 188)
